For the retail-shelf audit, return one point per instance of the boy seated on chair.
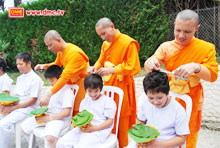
(5, 80)
(27, 89)
(59, 110)
(161, 111)
(103, 109)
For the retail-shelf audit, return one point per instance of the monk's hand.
(45, 100)
(91, 69)
(152, 64)
(187, 69)
(105, 71)
(39, 67)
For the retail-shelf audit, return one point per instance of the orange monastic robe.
(198, 51)
(75, 64)
(122, 52)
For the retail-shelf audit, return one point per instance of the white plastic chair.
(110, 91)
(187, 99)
(39, 131)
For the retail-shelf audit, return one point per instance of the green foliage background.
(144, 20)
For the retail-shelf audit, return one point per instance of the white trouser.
(76, 139)
(7, 123)
(52, 128)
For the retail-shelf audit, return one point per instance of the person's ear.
(58, 40)
(112, 26)
(29, 63)
(197, 27)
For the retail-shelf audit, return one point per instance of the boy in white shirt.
(103, 109)
(159, 110)
(5, 80)
(28, 86)
(59, 110)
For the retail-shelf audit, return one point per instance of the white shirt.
(5, 83)
(101, 109)
(170, 120)
(28, 86)
(64, 98)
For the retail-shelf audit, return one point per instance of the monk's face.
(106, 33)
(185, 30)
(53, 45)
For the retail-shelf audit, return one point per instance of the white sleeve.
(110, 107)
(141, 107)
(35, 87)
(181, 123)
(6, 84)
(67, 98)
(82, 105)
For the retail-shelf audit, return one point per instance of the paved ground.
(207, 138)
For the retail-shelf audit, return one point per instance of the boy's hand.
(6, 109)
(151, 144)
(44, 118)
(88, 129)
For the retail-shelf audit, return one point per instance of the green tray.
(6, 99)
(141, 133)
(82, 118)
(38, 111)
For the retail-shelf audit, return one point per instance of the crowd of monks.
(186, 55)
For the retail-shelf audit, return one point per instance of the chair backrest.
(110, 91)
(187, 99)
(75, 89)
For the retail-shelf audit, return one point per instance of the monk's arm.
(131, 65)
(72, 69)
(209, 67)
(159, 55)
(56, 62)
(100, 62)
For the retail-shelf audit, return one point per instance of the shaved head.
(188, 15)
(52, 35)
(104, 22)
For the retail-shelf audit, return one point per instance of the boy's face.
(22, 66)
(94, 93)
(52, 80)
(159, 100)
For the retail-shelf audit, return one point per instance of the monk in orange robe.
(74, 62)
(190, 58)
(119, 56)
